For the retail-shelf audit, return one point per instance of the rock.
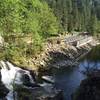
(56, 96)
(39, 93)
(3, 90)
(48, 79)
(89, 89)
(27, 82)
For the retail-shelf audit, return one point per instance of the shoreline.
(58, 54)
(66, 55)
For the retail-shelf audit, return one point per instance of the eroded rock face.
(89, 89)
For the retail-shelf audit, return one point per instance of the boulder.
(56, 96)
(89, 89)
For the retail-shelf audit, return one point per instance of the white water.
(11, 74)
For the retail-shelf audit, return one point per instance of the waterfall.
(14, 78)
(11, 74)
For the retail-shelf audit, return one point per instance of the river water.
(69, 79)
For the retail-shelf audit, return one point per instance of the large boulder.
(89, 88)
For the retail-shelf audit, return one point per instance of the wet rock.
(39, 93)
(48, 79)
(3, 90)
(89, 89)
(57, 96)
(27, 82)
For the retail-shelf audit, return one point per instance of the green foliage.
(20, 20)
(98, 27)
(9, 17)
(92, 24)
(76, 15)
(26, 16)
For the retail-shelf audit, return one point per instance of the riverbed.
(69, 79)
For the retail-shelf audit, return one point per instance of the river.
(69, 79)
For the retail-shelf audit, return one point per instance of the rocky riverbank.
(59, 54)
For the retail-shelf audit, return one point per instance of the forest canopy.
(77, 15)
(26, 16)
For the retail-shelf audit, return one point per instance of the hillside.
(77, 15)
